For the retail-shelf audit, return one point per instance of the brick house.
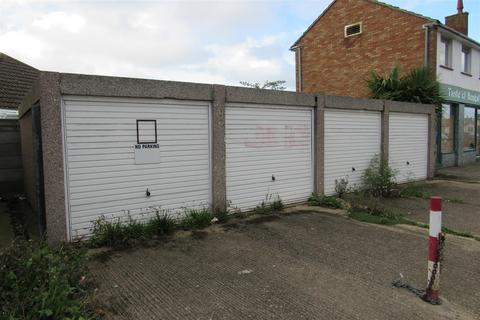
(337, 52)
(16, 80)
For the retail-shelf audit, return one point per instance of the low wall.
(11, 173)
(51, 87)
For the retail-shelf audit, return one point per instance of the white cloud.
(60, 20)
(202, 41)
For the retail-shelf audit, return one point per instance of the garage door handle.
(353, 169)
(273, 177)
(408, 163)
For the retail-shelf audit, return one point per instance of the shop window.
(478, 131)
(448, 128)
(469, 129)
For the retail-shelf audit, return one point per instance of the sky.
(222, 42)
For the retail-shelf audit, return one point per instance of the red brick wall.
(333, 64)
(458, 22)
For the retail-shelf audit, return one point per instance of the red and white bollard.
(435, 230)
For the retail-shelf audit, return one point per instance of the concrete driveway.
(307, 265)
(460, 189)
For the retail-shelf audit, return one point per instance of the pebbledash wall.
(122, 147)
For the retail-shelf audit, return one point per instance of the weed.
(161, 225)
(369, 210)
(341, 187)
(221, 215)
(379, 178)
(197, 219)
(262, 208)
(324, 201)
(42, 282)
(367, 217)
(415, 191)
(444, 229)
(123, 234)
(267, 206)
(455, 200)
(277, 205)
(116, 234)
(457, 233)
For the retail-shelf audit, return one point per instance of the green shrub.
(41, 282)
(379, 178)
(197, 219)
(324, 201)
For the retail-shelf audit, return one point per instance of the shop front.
(459, 127)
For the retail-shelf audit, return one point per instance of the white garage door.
(268, 154)
(408, 152)
(116, 149)
(352, 139)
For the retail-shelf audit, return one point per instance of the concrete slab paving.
(296, 266)
(467, 173)
(460, 217)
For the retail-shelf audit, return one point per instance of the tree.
(272, 85)
(418, 85)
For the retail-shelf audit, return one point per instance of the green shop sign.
(461, 95)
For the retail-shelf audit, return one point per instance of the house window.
(469, 128)
(445, 52)
(353, 29)
(466, 60)
(146, 131)
(448, 128)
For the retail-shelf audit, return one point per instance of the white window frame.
(466, 60)
(351, 25)
(447, 42)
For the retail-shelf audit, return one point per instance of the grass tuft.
(125, 234)
(197, 219)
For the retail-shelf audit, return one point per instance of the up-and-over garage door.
(133, 158)
(268, 154)
(352, 139)
(408, 146)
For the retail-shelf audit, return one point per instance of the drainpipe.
(298, 51)
(426, 27)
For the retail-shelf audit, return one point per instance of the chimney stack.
(458, 21)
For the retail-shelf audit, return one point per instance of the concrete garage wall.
(51, 87)
(11, 173)
(27, 157)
